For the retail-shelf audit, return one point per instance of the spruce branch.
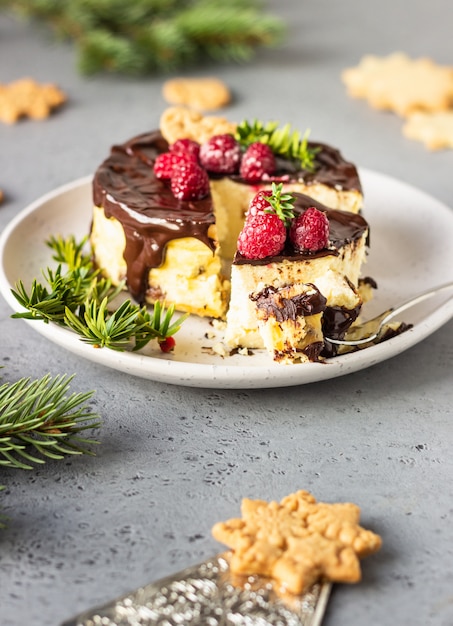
(147, 36)
(283, 141)
(282, 204)
(79, 298)
(39, 420)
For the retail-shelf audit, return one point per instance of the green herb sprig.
(150, 36)
(282, 204)
(283, 141)
(39, 421)
(78, 297)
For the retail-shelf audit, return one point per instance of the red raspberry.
(263, 234)
(167, 344)
(257, 163)
(259, 203)
(166, 162)
(186, 146)
(310, 230)
(221, 154)
(190, 182)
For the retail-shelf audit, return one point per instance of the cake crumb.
(219, 349)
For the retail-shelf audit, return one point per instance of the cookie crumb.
(27, 98)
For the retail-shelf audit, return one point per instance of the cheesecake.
(177, 250)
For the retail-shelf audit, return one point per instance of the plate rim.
(228, 376)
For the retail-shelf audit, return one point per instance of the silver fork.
(377, 323)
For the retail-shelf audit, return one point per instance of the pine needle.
(80, 299)
(149, 36)
(39, 420)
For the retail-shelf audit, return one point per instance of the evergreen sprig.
(283, 141)
(78, 297)
(146, 36)
(282, 204)
(39, 421)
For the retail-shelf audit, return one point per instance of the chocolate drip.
(127, 189)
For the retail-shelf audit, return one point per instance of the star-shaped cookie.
(401, 84)
(435, 130)
(27, 98)
(298, 541)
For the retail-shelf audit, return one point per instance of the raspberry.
(263, 235)
(190, 182)
(257, 163)
(166, 162)
(221, 154)
(260, 203)
(186, 146)
(310, 230)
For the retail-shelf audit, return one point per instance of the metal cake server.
(373, 327)
(207, 595)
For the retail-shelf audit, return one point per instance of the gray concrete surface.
(174, 460)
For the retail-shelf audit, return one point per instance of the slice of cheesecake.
(334, 270)
(290, 321)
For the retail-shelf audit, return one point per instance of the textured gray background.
(174, 460)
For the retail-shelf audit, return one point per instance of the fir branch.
(39, 421)
(82, 300)
(147, 36)
(283, 141)
(282, 204)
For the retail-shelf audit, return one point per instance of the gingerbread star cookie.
(435, 130)
(298, 541)
(27, 98)
(401, 84)
(202, 94)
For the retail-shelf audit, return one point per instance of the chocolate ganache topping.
(126, 187)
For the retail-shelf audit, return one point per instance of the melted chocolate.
(127, 189)
(271, 303)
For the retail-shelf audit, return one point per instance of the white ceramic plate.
(411, 235)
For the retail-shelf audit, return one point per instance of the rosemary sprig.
(282, 204)
(39, 421)
(283, 141)
(81, 299)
